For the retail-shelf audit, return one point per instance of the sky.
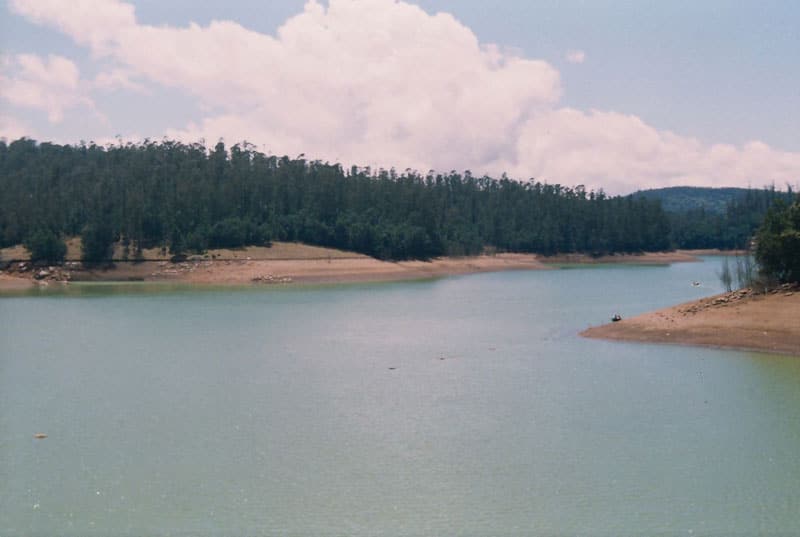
(614, 94)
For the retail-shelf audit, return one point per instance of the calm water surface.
(459, 406)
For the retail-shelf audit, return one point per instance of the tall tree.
(778, 243)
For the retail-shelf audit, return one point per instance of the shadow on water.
(121, 289)
(103, 289)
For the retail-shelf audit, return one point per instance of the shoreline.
(13, 283)
(648, 258)
(288, 263)
(249, 271)
(739, 320)
(258, 272)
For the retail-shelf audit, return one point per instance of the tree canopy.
(720, 217)
(189, 197)
(778, 242)
(46, 246)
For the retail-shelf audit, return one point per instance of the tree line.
(189, 198)
(777, 247)
(727, 229)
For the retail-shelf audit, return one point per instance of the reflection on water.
(464, 405)
(97, 289)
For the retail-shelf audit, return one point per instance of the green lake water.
(457, 406)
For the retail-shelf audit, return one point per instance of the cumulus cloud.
(622, 153)
(382, 82)
(575, 56)
(13, 129)
(51, 84)
(407, 89)
(116, 79)
(88, 22)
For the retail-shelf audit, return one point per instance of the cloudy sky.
(611, 94)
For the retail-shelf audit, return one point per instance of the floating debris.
(40, 436)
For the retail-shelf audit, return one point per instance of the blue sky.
(689, 85)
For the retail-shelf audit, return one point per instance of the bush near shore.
(778, 243)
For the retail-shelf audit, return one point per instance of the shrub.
(45, 246)
(778, 243)
(97, 243)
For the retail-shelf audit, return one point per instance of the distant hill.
(725, 218)
(679, 199)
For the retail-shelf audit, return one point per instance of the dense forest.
(778, 242)
(730, 226)
(189, 198)
(681, 199)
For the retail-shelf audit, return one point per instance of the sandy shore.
(284, 263)
(327, 270)
(12, 283)
(769, 323)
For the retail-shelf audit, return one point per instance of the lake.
(458, 406)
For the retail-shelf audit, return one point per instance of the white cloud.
(382, 82)
(575, 56)
(96, 23)
(622, 153)
(52, 84)
(13, 129)
(118, 79)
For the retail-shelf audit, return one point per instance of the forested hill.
(189, 198)
(688, 198)
(723, 218)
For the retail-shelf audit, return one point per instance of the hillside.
(686, 198)
(725, 218)
(191, 198)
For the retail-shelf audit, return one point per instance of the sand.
(769, 323)
(285, 263)
(282, 263)
(13, 283)
(309, 270)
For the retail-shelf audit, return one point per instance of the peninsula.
(738, 320)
